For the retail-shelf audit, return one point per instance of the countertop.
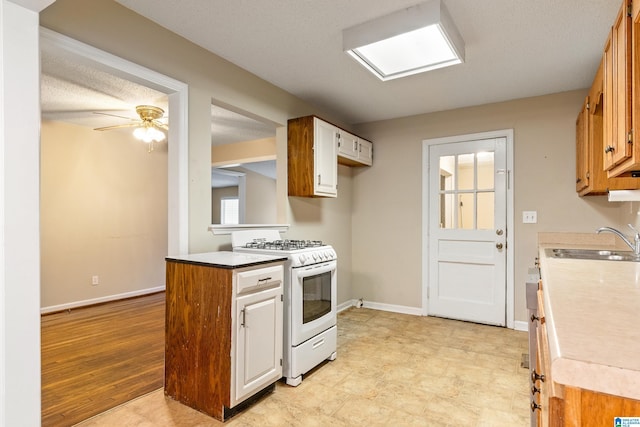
(592, 312)
(226, 259)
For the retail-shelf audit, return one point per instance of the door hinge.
(630, 9)
(588, 106)
(281, 297)
(630, 137)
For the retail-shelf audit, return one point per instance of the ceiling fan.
(149, 128)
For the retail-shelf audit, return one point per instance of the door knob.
(499, 245)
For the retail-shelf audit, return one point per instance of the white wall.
(19, 214)
(387, 197)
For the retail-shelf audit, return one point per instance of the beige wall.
(107, 25)
(387, 197)
(103, 212)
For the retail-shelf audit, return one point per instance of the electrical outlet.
(95, 280)
(529, 217)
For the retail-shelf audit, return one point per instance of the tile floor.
(392, 370)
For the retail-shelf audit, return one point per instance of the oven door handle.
(324, 268)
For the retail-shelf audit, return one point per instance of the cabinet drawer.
(259, 278)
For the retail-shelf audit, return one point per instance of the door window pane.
(466, 171)
(466, 211)
(485, 171)
(485, 210)
(467, 191)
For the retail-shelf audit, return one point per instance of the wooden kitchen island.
(588, 340)
(223, 329)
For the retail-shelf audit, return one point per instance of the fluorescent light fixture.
(413, 40)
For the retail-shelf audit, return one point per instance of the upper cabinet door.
(325, 148)
(617, 87)
(582, 147)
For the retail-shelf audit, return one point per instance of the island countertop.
(225, 259)
(592, 312)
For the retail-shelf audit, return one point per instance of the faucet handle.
(637, 233)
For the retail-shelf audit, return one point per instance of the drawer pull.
(534, 390)
(534, 318)
(535, 406)
(266, 279)
(535, 376)
(319, 343)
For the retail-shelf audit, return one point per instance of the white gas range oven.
(310, 292)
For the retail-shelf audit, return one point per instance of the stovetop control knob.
(327, 254)
(302, 259)
(315, 256)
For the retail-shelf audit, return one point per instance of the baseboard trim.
(402, 309)
(108, 298)
(415, 311)
(519, 325)
(345, 305)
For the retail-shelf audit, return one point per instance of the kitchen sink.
(593, 254)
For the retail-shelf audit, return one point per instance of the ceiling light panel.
(413, 40)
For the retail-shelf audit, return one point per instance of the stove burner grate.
(283, 245)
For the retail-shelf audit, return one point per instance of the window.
(229, 210)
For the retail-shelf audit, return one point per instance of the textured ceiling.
(514, 49)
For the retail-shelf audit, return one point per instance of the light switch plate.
(529, 217)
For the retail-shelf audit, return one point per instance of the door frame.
(426, 144)
(178, 95)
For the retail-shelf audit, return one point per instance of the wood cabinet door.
(259, 348)
(618, 89)
(582, 148)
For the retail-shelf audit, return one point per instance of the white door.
(467, 232)
(259, 341)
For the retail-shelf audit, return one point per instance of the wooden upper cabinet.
(312, 157)
(591, 176)
(619, 150)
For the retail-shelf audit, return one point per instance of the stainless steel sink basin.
(593, 254)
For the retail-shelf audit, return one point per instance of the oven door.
(313, 300)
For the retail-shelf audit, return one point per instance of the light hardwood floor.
(392, 370)
(98, 357)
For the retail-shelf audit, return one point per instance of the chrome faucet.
(635, 246)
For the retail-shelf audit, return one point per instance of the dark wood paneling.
(198, 336)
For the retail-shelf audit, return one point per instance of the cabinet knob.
(535, 406)
(499, 245)
(534, 390)
(535, 376)
(609, 149)
(534, 318)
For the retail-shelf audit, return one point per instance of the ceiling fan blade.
(160, 125)
(113, 115)
(127, 125)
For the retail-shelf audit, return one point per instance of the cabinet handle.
(535, 406)
(609, 149)
(243, 322)
(319, 181)
(534, 318)
(534, 390)
(535, 376)
(266, 279)
(355, 146)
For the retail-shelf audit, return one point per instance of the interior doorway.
(175, 181)
(467, 228)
